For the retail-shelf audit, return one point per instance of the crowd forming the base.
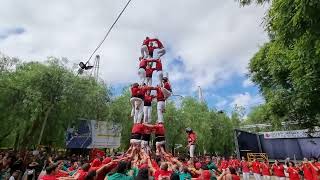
(135, 164)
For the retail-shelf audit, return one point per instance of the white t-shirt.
(11, 178)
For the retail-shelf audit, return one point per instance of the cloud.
(214, 39)
(246, 100)
(247, 83)
(6, 32)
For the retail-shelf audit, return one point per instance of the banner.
(93, 134)
(291, 134)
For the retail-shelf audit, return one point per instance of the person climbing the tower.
(145, 139)
(136, 102)
(160, 48)
(147, 109)
(159, 131)
(149, 71)
(166, 89)
(136, 134)
(192, 138)
(145, 49)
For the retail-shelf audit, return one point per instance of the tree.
(36, 96)
(286, 69)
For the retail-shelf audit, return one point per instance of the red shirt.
(235, 177)
(158, 65)
(256, 167)
(167, 86)
(149, 71)
(265, 169)
(147, 130)
(307, 171)
(160, 45)
(135, 91)
(192, 137)
(143, 63)
(224, 164)
(315, 173)
(162, 173)
(234, 163)
(137, 128)
(278, 170)
(146, 42)
(48, 177)
(293, 173)
(245, 166)
(159, 129)
(160, 96)
(82, 174)
(148, 99)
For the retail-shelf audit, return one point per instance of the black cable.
(105, 37)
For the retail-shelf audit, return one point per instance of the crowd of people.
(136, 164)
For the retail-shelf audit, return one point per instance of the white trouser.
(160, 109)
(160, 76)
(144, 51)
(157, 53)
(280, 178)
(147, 114)
(166, 93)
(142, 75)
(266, 177)
(257, 176)
(137, 109)
(145, 146)
(191, 150)
(161, 52)
(149, 81)
(246, 175)
(135, 141)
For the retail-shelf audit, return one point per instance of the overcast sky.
(209, 42)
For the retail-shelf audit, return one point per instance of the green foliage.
(35, 93)
(287, 68)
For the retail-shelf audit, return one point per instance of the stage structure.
(295, 144)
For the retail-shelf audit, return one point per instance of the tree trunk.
(45, 122)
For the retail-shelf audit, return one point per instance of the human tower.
(142, 96)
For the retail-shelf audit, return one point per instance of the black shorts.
(136, 136)
(160, 138)
(146, 137)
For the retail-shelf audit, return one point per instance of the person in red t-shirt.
(136, 102)
(256, 169)
(142, 72)
(306, 168)
(163, 172)
(315, 168)
(224, 163)
(147, 109)
(149, 72)
(244, 164)
(166, 89)
(265, 169)
(278, 170)
(159, 131)
(144, 48)
(293, 171)
(136, 133)
(82, 172)
(145, 139)
(51, 173)
(160, 104)
(192, 138)
(159, 46)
